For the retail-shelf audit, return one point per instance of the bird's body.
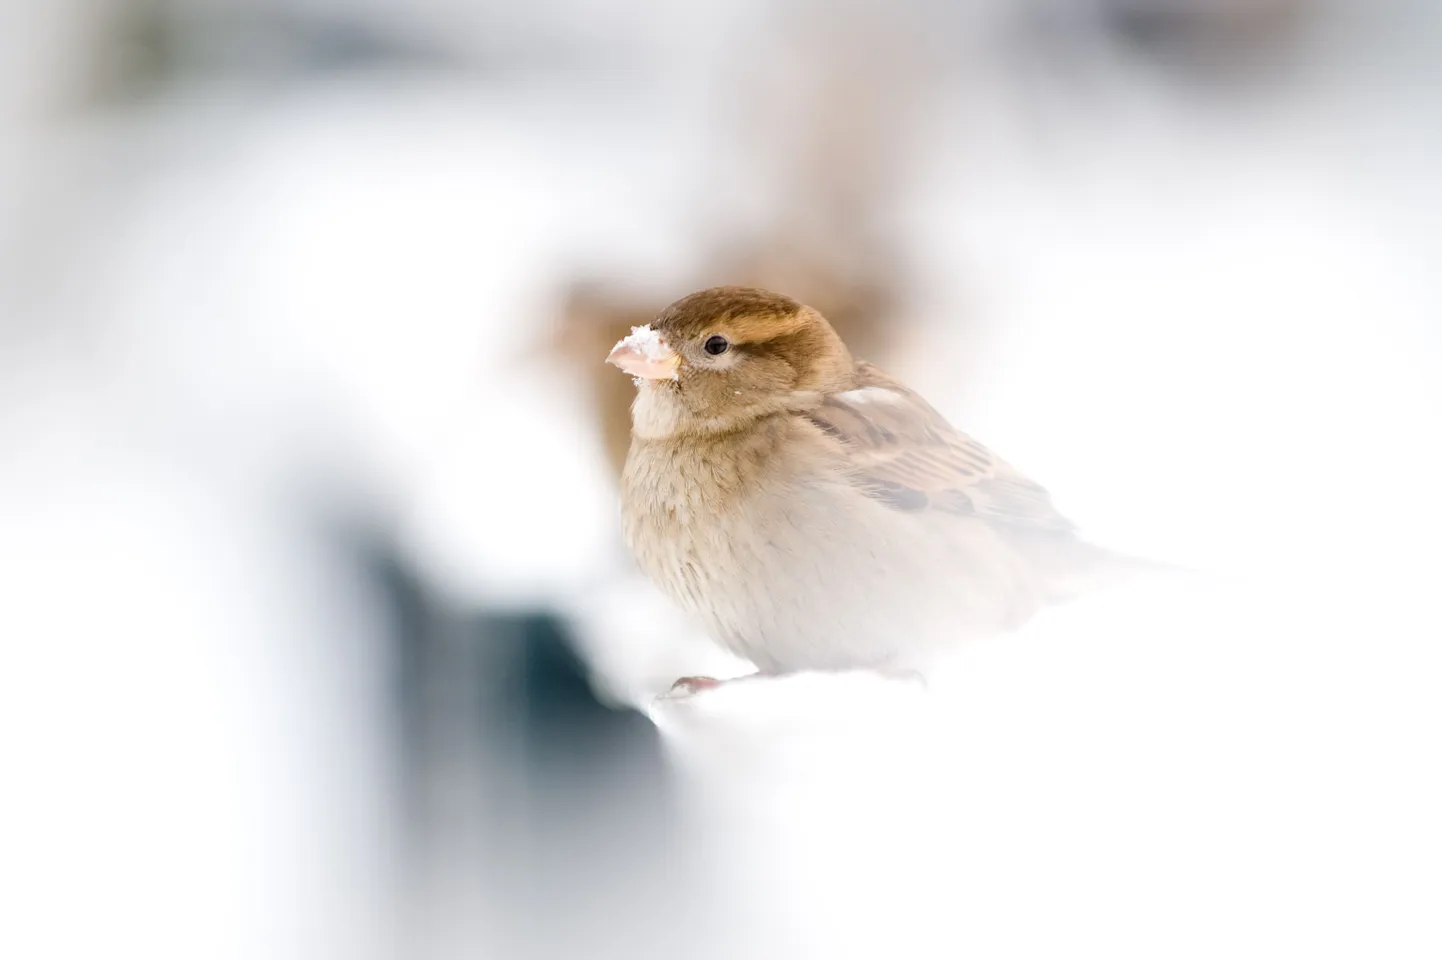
(768, 544)
(811, 512)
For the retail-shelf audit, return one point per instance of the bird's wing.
(908, 457)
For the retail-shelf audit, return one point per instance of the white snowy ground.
(1215, 340)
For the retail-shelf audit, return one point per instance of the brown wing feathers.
(907, 456)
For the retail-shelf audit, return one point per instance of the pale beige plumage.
(814, 513)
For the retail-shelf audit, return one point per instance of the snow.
(646, 342)
(1108, 777)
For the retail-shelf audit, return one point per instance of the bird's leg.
(688, 686)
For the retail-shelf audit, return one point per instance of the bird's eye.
(716, 345)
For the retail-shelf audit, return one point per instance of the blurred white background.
(320, 640)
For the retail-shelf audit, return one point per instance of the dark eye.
(715, 345)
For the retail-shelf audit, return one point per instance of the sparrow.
(812, 513)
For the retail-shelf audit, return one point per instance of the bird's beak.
(644, 354)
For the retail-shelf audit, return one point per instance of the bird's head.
(721, 358)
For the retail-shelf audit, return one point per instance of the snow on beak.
(644, 354)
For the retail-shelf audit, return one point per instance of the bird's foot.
(690, 686)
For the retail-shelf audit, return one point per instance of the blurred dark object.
(564, 737)
(145, 46)
(1191, 29)
(1217, 38)
(510, 680)
(514, 777)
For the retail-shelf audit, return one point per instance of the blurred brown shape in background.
(824, 129)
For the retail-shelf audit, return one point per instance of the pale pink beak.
(644, 354)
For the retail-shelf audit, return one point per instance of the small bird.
(811, 512)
